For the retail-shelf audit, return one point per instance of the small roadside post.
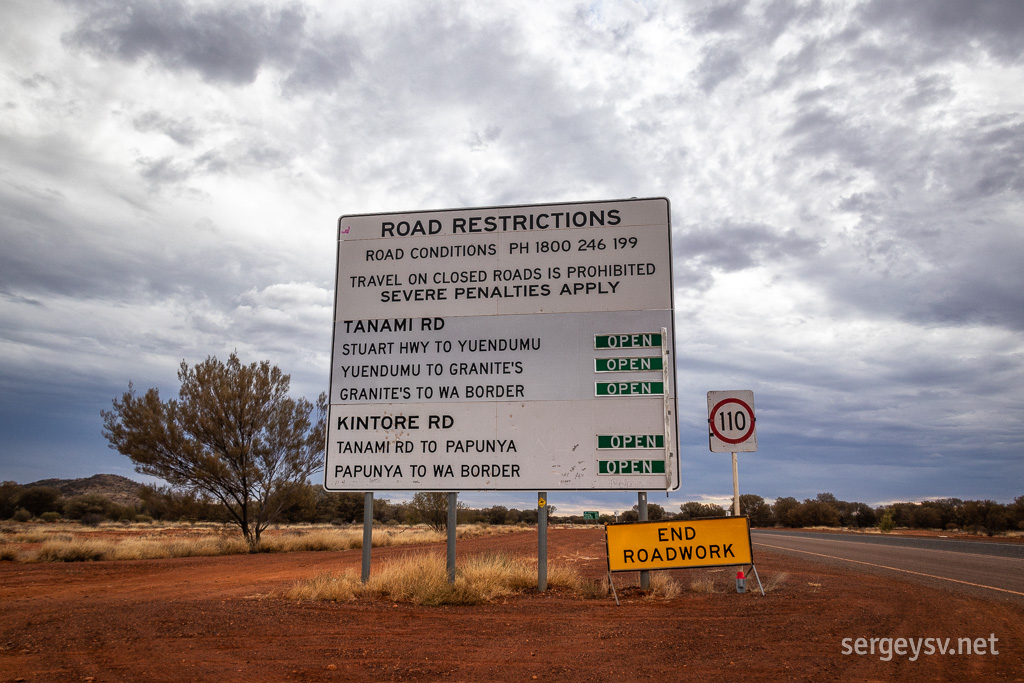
(453, 520)
(641, 509)
(367, 533)
(542, 541)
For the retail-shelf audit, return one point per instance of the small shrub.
(704, 584)
(340, 587)
(593, 590)
(664, 587)
(50, 517)
(92, 519)
(886, 524)
(21, 515)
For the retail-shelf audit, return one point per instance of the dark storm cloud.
(994, 151)
(928, 91)
(780, 15)
(182, 131)
(224, 44)
(720, 62)
(237, 157)
(320, 64)
(731, 247)
(719, 17)
(54, 247)
(820, 129)
(943, 27)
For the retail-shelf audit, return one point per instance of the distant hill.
(121, 490)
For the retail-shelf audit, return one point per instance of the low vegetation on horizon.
(58, 501)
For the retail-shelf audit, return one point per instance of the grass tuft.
(774, 582)
(704, 584)
(663, 587)
(336, 587)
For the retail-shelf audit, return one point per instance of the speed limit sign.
(732, 427)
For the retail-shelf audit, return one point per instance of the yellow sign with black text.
(678, 545)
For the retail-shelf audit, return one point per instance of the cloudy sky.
(846, 182)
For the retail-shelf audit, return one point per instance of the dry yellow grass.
(8, 553)
(704, 584)
(422, 579)
(89, 549)
(663, 587)
(336, 587)
(773, 582)
(127, 543)
(75, 550)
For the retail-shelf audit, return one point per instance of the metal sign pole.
(453, 503)
(735, 487)
(367, 533)
(641, 505)
(542, 541)
(668, 403)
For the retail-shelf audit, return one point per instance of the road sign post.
(542, 541)
(732, 427)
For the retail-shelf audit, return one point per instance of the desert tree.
(756, 509)
(695, 510)
(431, 508)
(233, 433)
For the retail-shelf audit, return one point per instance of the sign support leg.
(641, 506)
(367, 533)
(542, 541)
(735, 487)
(612, 586)
(754, 569)
(453, 519)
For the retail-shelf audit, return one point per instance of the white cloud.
(847, 214)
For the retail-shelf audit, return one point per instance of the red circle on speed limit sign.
(732, 420)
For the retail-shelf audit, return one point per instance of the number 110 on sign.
(732, 421)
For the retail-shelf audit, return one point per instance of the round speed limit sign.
(731, 421)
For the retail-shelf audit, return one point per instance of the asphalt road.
(993, 568)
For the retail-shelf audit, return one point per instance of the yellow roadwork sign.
(676, 545)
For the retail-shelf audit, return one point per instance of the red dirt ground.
(223, 619)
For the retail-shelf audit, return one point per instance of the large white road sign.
(504, 348)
